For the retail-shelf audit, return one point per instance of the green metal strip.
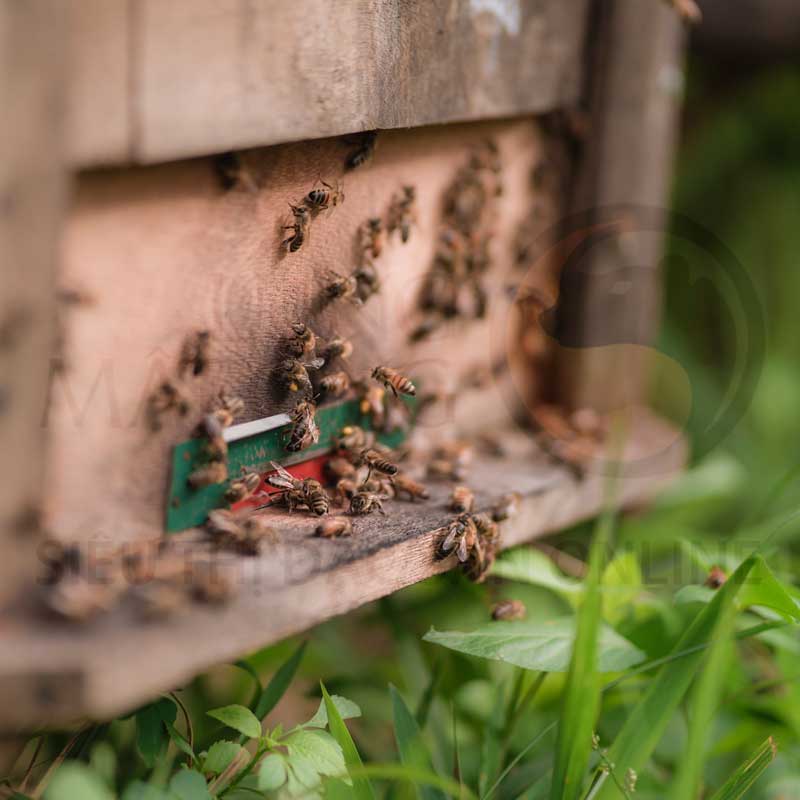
(187, 507)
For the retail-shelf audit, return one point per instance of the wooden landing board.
(52, 673)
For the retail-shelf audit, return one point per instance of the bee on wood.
(208, 475)
(299, 228)
(208, 585)
(243, 487)
(688, 10)
(297, 491)
(375, 461)
(460, 538)
(303, 342)
(321, 199)
(343, 288)
(344, 490)
(372, 236)
(508, 610)
(334, 528)
(362, 503)
(716, 578)
(403, 213)
(166, 397)
(243, 532)
(338, 467)
(229, 406)
(216, 447)
(338, 347)
(337, 384)
(465, 201)
(194, 355)
(405, 485)
(295, 374)
(304, 427)
(506, 507)
(461, 500)
(368, 281)
(75, 599)
(363, 152)
(393, 380)
(353, 439)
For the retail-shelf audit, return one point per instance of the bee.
(208, 585)
(336, 384)
(303, 342)
(304, 427)
(320, 199)
(363, 502)
(716, 577)
(442, 468)
(334, 528)
(195, 353)
(339, 467)
(338, 347)
(371, 402)
(460, 538)
(244, 533)
(232, 172)
(368, 281)
(159, 600)
(425, 328)
(243, 487)
(506, 507)
(688, 10)
(372, 236)
(76, 599)
(216, 446)
(403, 213)
(393, 380)
(461, 499)
(297, 491)
(375, 461)
(414, 489)
(344, 288)
(465, 201)
(299, 228)
(509, 610)
(229, 407)
(344, 490)
(166, 397)
(459, 452)
(352, 438)
(208, 474)
(295, 373)
(363, 152)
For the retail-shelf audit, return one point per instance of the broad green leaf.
(138, 790)
(220, 755)
(301, 771)
(540, 646)
(347, 710)
(272, 772)
(180, 741)
(622, 583)
(239, 718)
(412, 749)
(319, 748)
(276, 688)
(748, 773)
(762, 588)
(75, 781)
(529, 565)
(693, 594)
(188, 784)
(151, 735)
(362, 788)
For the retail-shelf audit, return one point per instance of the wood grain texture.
(56, 672)
(32, 183)
(206, 76)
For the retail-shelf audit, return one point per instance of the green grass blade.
(748, 773)
(417, 776)
(362, 788)
(413, 752)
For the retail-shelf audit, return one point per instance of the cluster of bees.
(455, 283)
(571, 438)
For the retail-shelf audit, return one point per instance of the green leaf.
(412, 749)
(220, 755)
(362, 788)
(762, 588)
(180, 742)
(75, 781)
(748, 773)
(138, 790)
(317, 747)
(347, 710)
(151, 735)
(540, 646)
(272, 773)
(239, 718)
(188, 784)
(529, 565)
(276, 688)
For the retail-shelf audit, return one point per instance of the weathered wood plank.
(32, 184)
(207, 76)
(57, 672)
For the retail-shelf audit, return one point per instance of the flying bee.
(461, 500)
(300, 491)
(334, 528)
(509, 610)
(363, 152)
(460, 538)
(336, 384)
(321, 199)
(295, 373)
(362, 503)
(368, 281)
(194, 355)
(303, 342)
(344, 288)
(376, 462)
(304, 427)
(372, 236)
(243, 487)
(393, 380)
(208, 474)
(405, 485)
(166, 397)
(403, 213)
(299, 228)
(352, 439)
(506, 507)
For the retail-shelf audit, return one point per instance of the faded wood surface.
(154, 80)
(31, 197)
(56, 672)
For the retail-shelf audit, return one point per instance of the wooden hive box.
(122, 241)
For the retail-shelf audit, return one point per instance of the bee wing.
(463, 552)
(315, 363)
(283, 480)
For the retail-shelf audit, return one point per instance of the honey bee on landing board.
(300, 491)
(405, 485)
(461, 499)
(243, 487)
(295, 374)
(363, 503)
(304, 427)
(334, 528)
